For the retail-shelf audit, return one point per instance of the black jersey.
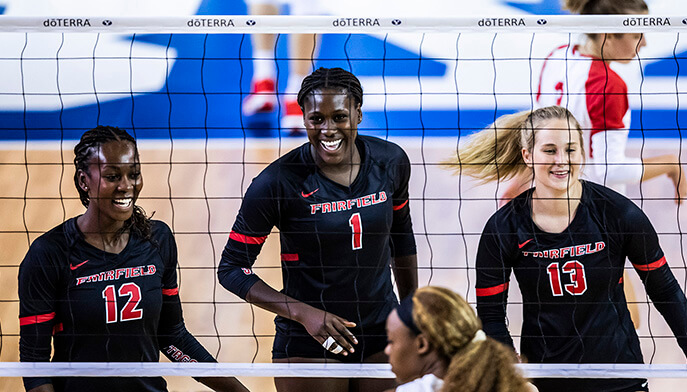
(336, 241)
(574, 308)
(102, 307)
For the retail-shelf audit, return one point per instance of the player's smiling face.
(556, 157)
(331, 118)
(113, 182)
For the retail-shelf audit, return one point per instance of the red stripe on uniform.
(174, 291)
(246, 239)
(621, 280)
(398, 207)
(41, 318)
(651, 266)
(485, 292)
(57, 328)
(289, 257)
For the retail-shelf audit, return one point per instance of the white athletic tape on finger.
(331, 345)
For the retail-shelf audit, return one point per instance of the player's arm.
(493, 274)
(174, 340)
(259, 212)
(645, 254)
(403, 247)
(38, 277)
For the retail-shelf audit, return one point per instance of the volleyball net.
(179, 85)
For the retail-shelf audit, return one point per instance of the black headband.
(405, 313)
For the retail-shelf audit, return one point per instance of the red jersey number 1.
(357, 227)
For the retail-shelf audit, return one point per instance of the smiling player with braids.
(340, 203)
(103, 286)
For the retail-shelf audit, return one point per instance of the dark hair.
(331, 78)
(90, 141)
(605, 7)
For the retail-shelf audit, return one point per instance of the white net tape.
(249, 24)
(337, 370)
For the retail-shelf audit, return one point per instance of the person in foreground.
(566, 241)
(340, 203)
(435, 343)
(102, 286)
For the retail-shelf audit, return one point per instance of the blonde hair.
(495, 153)
(450, 324)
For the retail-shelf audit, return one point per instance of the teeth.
(123, 202)
(331, 145)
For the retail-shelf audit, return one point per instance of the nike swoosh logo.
(524, 243)
(73, 267)
(308, 194)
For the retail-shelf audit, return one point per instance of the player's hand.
(322, 326)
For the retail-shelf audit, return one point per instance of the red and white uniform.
(597, 97)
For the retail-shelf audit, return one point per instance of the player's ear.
(527, 157)
(360, 113)
(422, 344)
(82, 177)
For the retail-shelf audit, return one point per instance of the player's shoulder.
(607, 201)
(295, 163)
(159, 229)
(52, 245)
(510, 216)
(382, 150)
(56, 238)
(602, 76)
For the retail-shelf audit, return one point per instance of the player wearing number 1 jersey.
(566, 241)
(340, 203)
(103, 286)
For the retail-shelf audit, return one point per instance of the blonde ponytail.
(495, 153)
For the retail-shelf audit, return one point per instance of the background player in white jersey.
(581, 79)
(302, 50)
(565, 241)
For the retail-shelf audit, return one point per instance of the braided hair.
(90, 143)
(331, 78)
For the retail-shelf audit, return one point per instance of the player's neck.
(106, 236)
(343, 173)
(553, 210)
(594, 49)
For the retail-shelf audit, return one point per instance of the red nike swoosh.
(524, 243)
(308, 194)
(73, 267)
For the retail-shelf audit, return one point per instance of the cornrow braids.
(331, 78)
(89, 144)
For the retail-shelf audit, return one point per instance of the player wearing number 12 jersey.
(103, 286)
(340, 203)
(566, 241)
